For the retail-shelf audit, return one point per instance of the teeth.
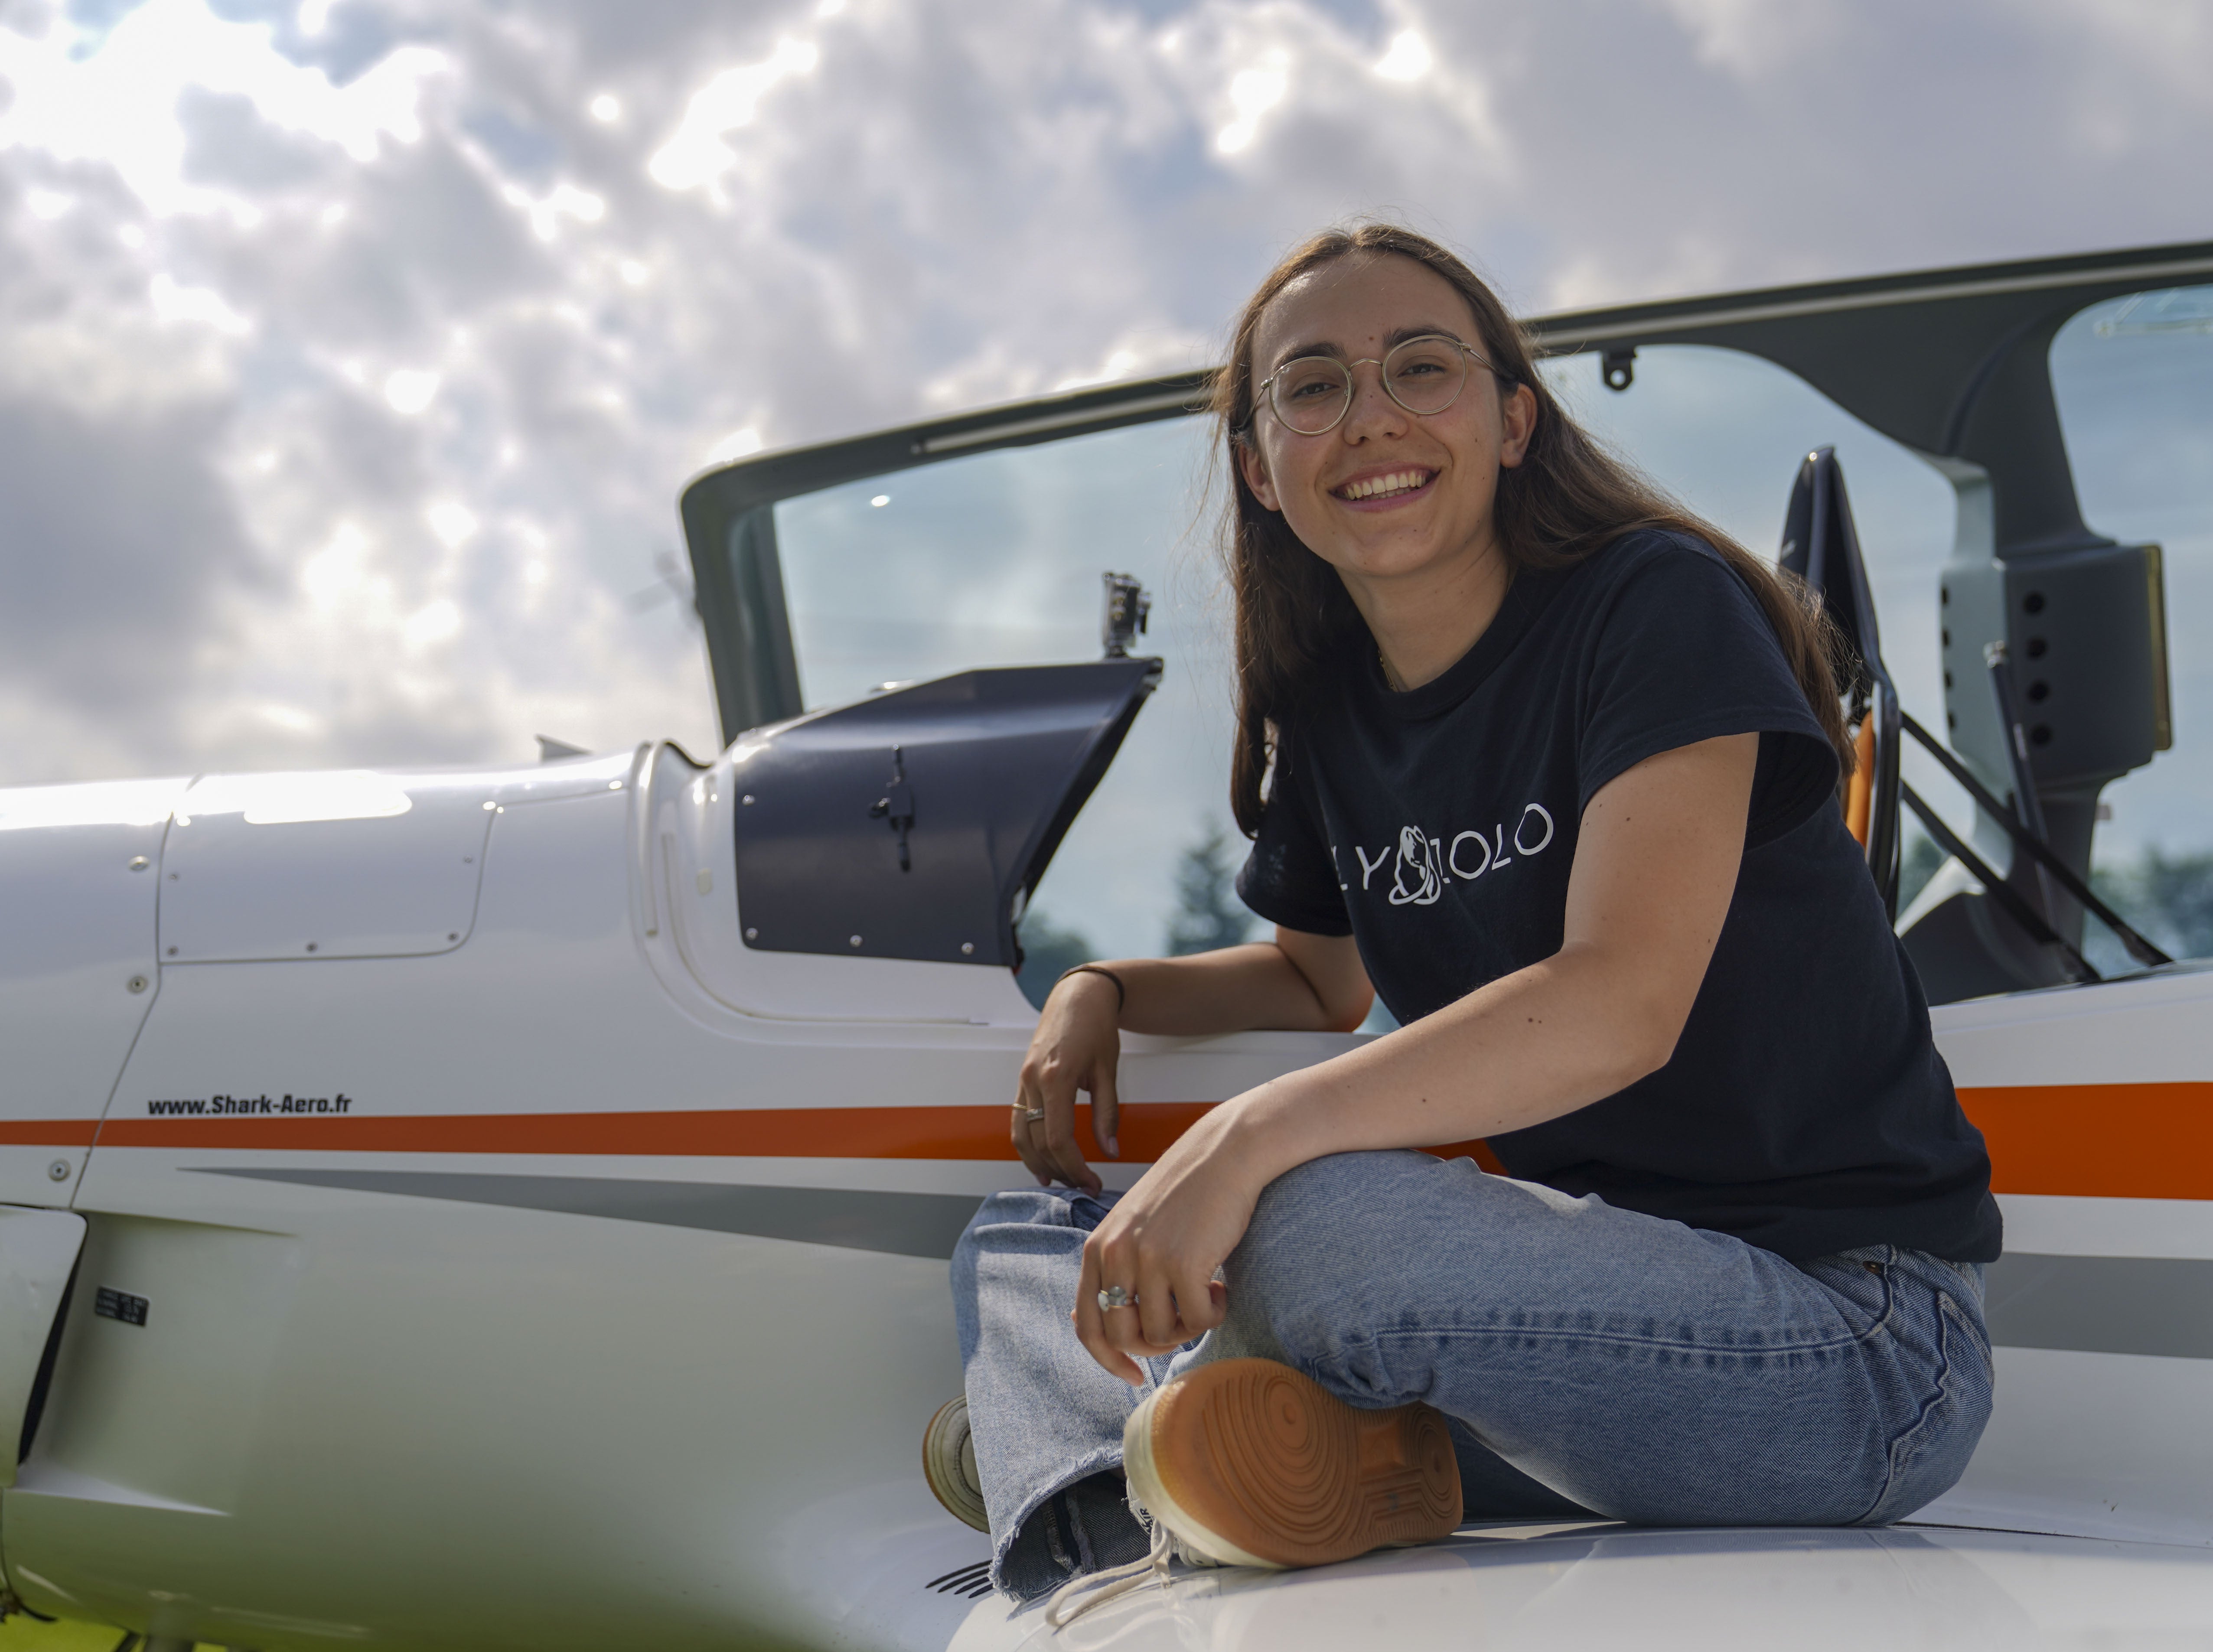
(1395, 482)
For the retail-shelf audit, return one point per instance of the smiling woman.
(1552, 768)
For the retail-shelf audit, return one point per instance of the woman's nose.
(1372, 409)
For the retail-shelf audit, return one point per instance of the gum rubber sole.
(949, 1463)
(1252, 1464)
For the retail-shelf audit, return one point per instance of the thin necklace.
(1391, 678)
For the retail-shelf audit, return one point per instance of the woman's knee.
(1326, 1232)
(1344, 1203)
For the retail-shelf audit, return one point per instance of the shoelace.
(1081, 1594)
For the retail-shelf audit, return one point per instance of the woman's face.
(1440, 470)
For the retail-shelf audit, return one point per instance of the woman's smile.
(1380, 490)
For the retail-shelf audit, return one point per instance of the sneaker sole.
(947, 1464)
(1252, 1464)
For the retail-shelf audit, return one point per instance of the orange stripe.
(48, 1132)
(2098, 1140)
(751, 1132)
(2119, 1141)
(1148, 1128)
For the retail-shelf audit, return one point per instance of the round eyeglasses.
(1313, 393)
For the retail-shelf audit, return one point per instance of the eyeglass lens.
(1422, 376)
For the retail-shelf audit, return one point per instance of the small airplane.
(509, 1207)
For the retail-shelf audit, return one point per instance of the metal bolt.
(753, 934)
(453, 936)
(59, 1170)
(747, 798)
(855, 939)
(136, 983)
(172, 951)
(311, 946)
(139, 862)
(967, 947)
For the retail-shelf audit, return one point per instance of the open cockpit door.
(917, 823)
(1821, 546)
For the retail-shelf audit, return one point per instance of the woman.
(1555, 766)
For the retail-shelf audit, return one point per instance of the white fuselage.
(525, 1261)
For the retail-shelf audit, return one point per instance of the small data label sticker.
(111, 1304)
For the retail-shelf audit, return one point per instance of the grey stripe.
(900, 1224)
(2092, 1304)
(2101, 1304)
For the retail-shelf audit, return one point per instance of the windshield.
(2134, 383)
(995, 559)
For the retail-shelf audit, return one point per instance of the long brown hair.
(1295, 625)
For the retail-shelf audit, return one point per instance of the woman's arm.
(1655, 866)
(1298, 983)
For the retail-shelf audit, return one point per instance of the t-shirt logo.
(1417, 856)
(1424, 865)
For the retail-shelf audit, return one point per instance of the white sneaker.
(949, 1463)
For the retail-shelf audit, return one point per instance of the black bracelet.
(1121, 992)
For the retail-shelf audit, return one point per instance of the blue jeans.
(1593, 1362)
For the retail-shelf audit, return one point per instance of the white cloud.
(118, 105)
(696, 154)
(455, 523)
(433, 623)
(410, 390)
(434, 282)
(1408, 57)
(1252, 94)
(739, 444)
(202, 305)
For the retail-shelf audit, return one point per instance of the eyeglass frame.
(1266, 388)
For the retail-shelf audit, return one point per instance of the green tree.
(2168, 896)
(1048, 953)
(1207, 915)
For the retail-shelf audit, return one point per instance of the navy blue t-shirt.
(1805, 1109)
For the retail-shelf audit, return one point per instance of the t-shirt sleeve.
(1685, 653)
(1290, 878)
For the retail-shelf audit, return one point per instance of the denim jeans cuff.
(1082, 1524)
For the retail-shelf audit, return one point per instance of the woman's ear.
(1254, 469)
(1518, 412)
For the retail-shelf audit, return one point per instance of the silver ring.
(1033, 1117)
(1115, 1296)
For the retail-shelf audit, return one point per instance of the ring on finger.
(1033, 1114)
(1114, 1296)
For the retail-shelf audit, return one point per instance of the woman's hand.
(1162, 1242)
(1077, 1046)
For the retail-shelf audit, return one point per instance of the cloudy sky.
(353, 352)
